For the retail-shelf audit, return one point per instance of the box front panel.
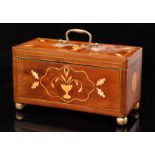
(68, 84)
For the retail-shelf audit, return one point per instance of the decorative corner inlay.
(118, 54)
(35, 85)
(36, 76)
(100, 92)
(100, 82)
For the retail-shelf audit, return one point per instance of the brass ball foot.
(121, 120)
(136, 107)
(19, 116)
(19, 106)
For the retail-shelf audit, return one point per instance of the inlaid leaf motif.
(69, 79)
(76, 82)
(80, 90)
(63, 78)
(52, 84)
(100, 82)
(56, 80)
(35, 74)
(100, 92)
(35, 85)
(118, 54)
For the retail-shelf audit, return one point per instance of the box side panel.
(68, 86)
(134, 83)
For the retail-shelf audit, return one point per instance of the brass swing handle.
(80, 31)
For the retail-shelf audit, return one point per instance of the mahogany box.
(84, 76)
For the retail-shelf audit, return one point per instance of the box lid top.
(75, 49)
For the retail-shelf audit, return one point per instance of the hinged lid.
(86, 53)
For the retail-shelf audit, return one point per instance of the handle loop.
(80, 31)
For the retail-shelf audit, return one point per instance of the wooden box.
(84, 76)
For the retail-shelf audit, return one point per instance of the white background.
(77, 11)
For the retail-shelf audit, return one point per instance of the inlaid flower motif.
(67, 84)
